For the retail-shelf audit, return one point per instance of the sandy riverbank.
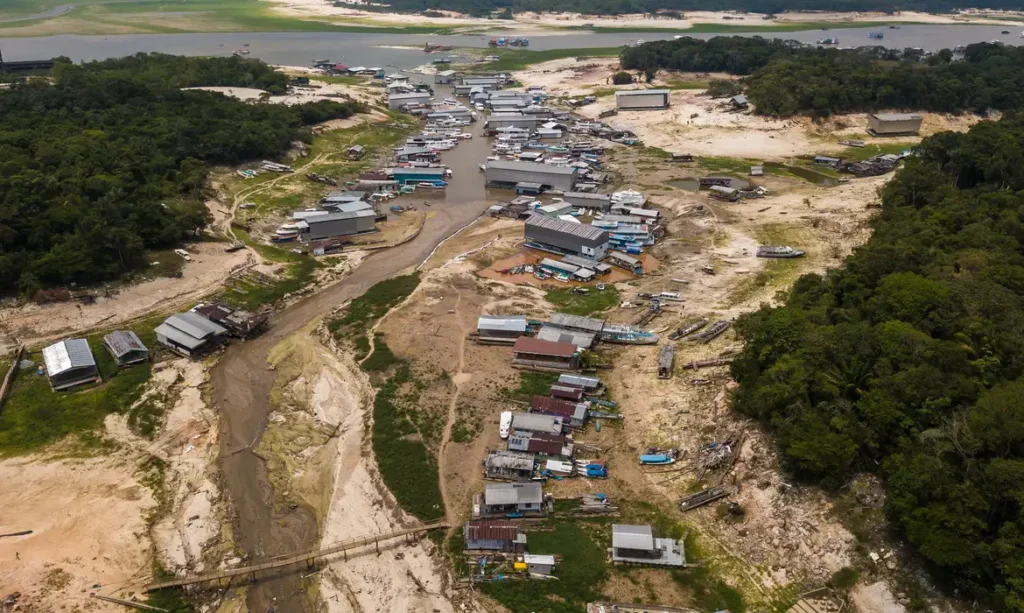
(540, 22)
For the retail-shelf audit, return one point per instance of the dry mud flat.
(100, 522)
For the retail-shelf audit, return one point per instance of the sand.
(541, 22)
(875, 598)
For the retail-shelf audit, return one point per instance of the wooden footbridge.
(308, 557)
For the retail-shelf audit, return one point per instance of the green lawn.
(531, 384)
(34, 415)
(590, 303)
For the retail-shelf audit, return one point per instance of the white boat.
(506, 424)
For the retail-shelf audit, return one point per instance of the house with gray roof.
(513, 498)
(126, 347)
(501, 328)
(69, 363)
(633, 544)
(190, 334)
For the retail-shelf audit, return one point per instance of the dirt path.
(241, 384)
(457, 379)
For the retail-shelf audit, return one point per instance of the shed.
(590, 384)
(509, 465)
(757, 171)
(514, 498)
(494, 535)
(539, 564)
(558, 334)
(577, 322)
(528, 188)
(724, 193)
(642, 99)
(826, 160)
(739, 102)
(586, 200)
(444, 77)
(555, 209)
(534, 442)
(69, 363)
(567, 392)
(636, 544)
(501, 328)
(624, 261)
(126, 347)
(561, 408)
(355, 152)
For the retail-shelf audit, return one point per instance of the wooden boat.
(778, 251)
(688, 329)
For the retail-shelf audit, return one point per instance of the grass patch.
(165, 263)
(35, 416)
(583, 304)
(863, 153)
(709, 592)
(725, 165)
(172, 600)
(371, 306)
(531, 384)
(382, 357)
(408, 470)
(581, 571)
(343, 80)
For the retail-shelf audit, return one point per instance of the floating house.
(126, 347)
(509, 465)
(532, 423)
(547, 355)
(633, 544)
(513, 499)
(494, 535)
(566, 237)
(190, 334)
(894, 124)
(501, 328)
(642, 99)
(69, 363)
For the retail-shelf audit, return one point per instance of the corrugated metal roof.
(510, 459)
(564, 266)
(583, 231)
(531, 167)
(625, 536)
(577, 322)
(204, 326)
(67, 355)
(896, 116)
(588, 196)
(579, 381)
(503, 323)
(557, 334)
(552, 406)
(576, 260)
(123, 341)
(622, 257)
(525, 344)
(178, 337)
(495, 530)
(360, 212)
(532, 422)
(513, 493)
(532, 558)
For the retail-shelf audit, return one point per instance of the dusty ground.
(209, 267)
(98, 522)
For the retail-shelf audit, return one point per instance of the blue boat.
(557, 149)
(656, 458)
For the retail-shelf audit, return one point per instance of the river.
(241, 384)
(367, 49)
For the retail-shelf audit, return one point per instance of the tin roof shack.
(126, 347)
(637, 545)
(566, 237)
(506, 173)
(720, 192)
(555, 209)
(502, 329)
(557, 334)
(534, 353)
(70, 363)
(633, 265)
(529, 423)
(600, 202)
(642, 99)
(894, 124)
(509, 466)
(337, 224)
(242, 324)
(566, 392)
(739, 102)
(516, 499)
(444, 77)
(355, 152)
(397, 101)
(494, 535)
(539, 564)
(825, 160)
(575, 413)
(190, 334)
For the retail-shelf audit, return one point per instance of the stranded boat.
(506, 424)
(688, 330)
(778, 251)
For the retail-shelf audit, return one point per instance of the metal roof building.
(567, 237)
(890, 124)
(494, 535)
(532, 422)
(189, 334)
(641, 99)
(587, 383)
(395, 101)
(637, 545)
(537, 353)
(126, 347)
(578, 322)
(513, 494)
(501, 328)
(557, 334)
(588, 200)
(509, 465)
(69, 363)
(506, 173)
(342, 223)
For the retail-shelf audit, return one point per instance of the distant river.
(300, 49)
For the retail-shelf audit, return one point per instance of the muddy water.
(241, 385)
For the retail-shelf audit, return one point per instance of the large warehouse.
(512, 120)
(894, 124)
(506, 174)
(336, 224)
(397, 101)
(640, 99)
(567, 237)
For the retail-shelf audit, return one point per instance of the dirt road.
(241, 385)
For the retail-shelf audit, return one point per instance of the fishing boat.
(627, 335)
(778, 251)
(688, 330)
(713, 331)
(430, 185)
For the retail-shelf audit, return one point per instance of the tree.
(622, 78)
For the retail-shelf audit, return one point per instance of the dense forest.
(622, 7)
(109, 159)
(908, 361)
(786, 78)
